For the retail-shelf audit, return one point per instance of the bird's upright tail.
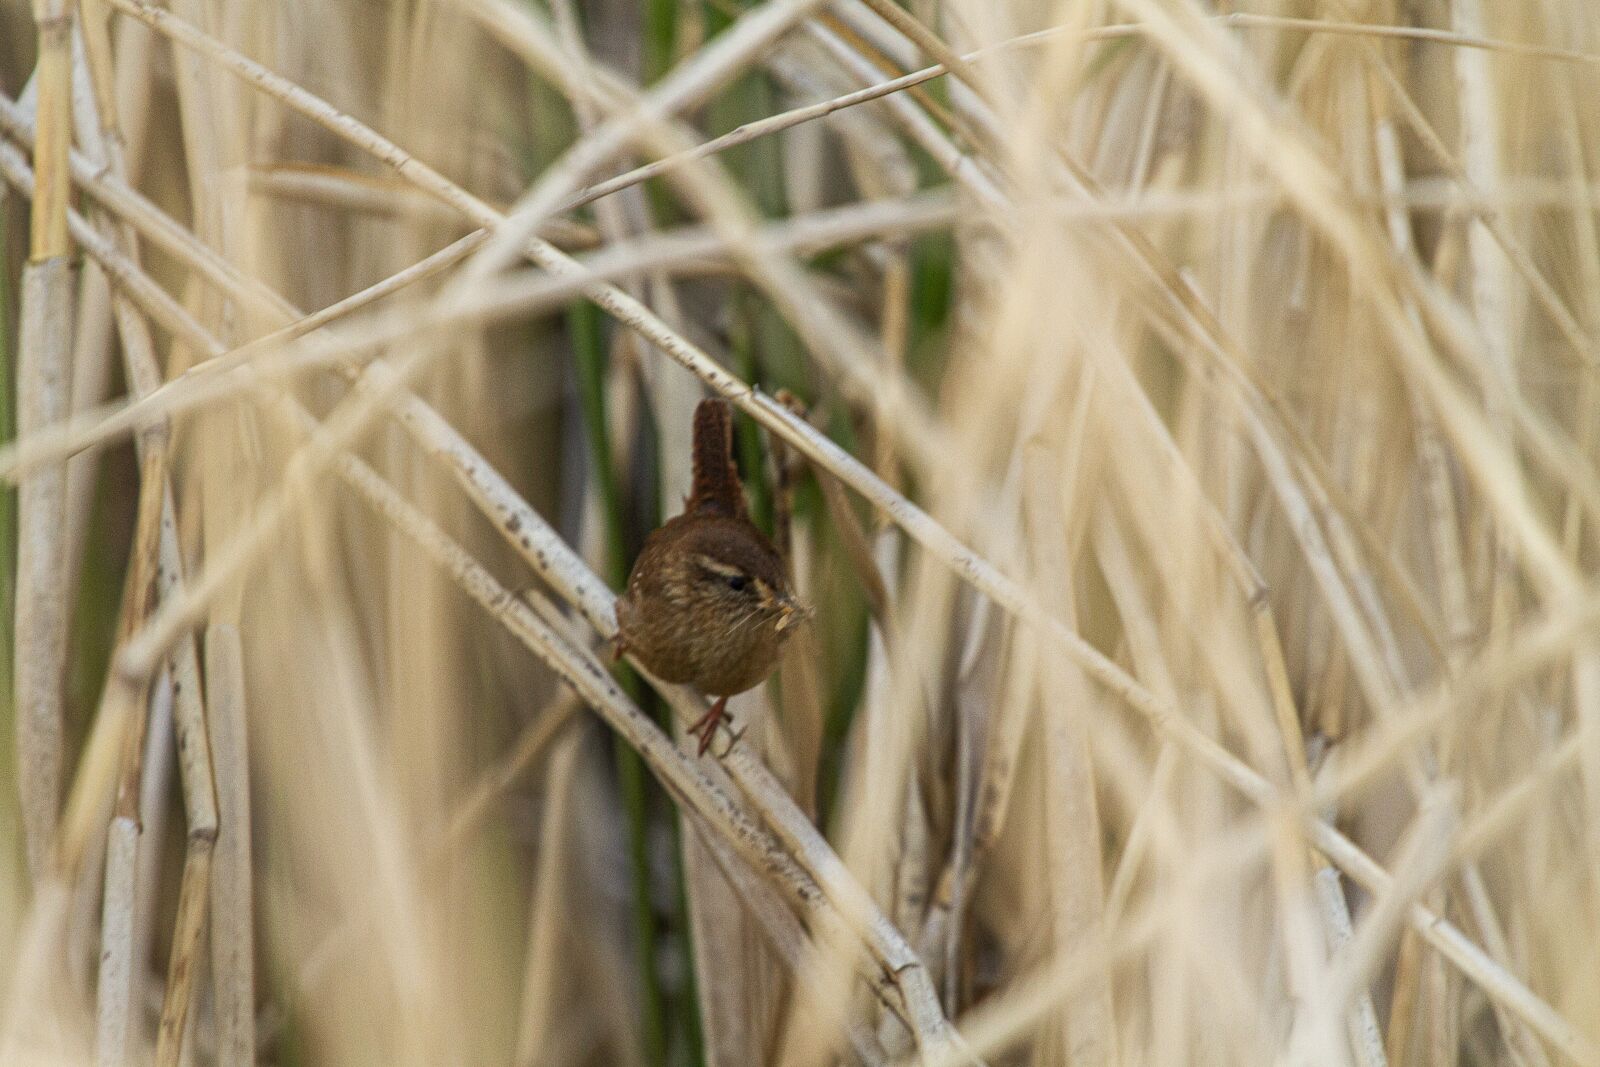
(716, 480)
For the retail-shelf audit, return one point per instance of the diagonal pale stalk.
(1505, 987)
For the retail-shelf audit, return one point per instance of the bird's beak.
(791, 613)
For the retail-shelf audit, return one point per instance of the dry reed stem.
(44, 349)
(43, 382)
(53, 19)
(115, 983)
(1357, 955)
(1406, 33)
(1361, 1018)
(193, 897)
(446, 842)
(788, 939)
(744, 134)
(204, 382)
(493, 784)
(114, 1005)
(965, 169)
(232, 891)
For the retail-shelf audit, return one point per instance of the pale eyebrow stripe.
(718, 567)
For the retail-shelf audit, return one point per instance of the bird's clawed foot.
(707, 724)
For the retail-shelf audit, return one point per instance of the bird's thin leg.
(706, 725)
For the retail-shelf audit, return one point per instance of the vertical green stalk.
(660, 38)
(660, 49)
(845, 643)
(932, 287)
(589, 350)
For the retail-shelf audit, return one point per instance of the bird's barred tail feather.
(716, 480)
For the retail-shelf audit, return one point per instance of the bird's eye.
(738, 583)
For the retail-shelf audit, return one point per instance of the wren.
(708, 604)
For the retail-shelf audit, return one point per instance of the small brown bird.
(707, 604)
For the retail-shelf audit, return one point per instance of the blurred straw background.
(1183, 417)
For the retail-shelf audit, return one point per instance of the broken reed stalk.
(44, 375)
(114, 1009)
(193, 900)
